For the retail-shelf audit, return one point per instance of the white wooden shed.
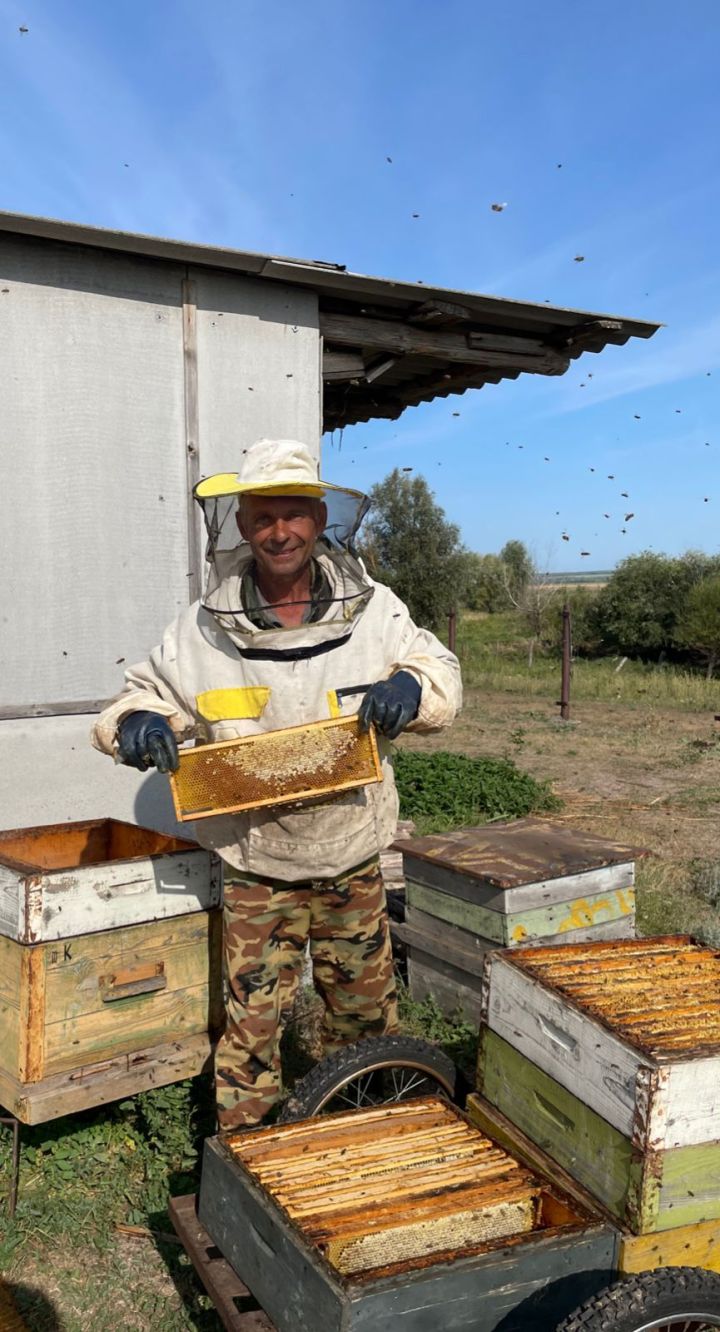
(132, 365)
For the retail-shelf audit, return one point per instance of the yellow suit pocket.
(217, 705)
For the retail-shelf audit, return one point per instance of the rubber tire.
(310, 1092)
(629, 1305)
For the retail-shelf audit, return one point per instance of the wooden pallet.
(236, 1308)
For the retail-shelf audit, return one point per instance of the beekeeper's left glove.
(391, 704)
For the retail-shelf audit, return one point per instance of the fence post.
(452, 629)
(565, 676)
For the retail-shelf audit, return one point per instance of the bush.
(586, 638)
(639, 608)
(440, 791)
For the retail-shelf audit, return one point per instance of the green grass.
(493, 652)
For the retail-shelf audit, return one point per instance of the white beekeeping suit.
(216, 675)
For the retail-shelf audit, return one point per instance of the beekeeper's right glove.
(146, 740)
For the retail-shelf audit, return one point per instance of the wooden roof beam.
(398, 338)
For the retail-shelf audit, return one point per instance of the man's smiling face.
(281, 531)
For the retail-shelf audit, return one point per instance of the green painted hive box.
(608, 1055)
(647, 1191)
(510, 884)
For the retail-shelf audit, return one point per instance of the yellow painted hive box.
(69, 1004)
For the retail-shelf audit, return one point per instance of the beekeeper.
(290, 630)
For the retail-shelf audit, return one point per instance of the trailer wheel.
(376, 1071)
(670, 1299)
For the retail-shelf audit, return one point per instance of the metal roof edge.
(322, 276)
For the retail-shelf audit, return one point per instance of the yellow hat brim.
(226, 483)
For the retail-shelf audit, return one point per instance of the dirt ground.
(645, 775)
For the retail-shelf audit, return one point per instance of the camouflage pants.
(267, 924)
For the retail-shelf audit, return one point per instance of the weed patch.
(440, 790)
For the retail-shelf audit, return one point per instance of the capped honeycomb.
(296, 764)
(661, 994)
(391, 1184)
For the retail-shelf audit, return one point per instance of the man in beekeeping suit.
(290, 630)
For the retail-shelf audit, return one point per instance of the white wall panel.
(49, 773)
(93, 500)
(258, 366)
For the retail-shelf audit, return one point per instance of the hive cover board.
(323, 1219)
(66, 879)
(295, 764)
(512, 883)
(632, 1025)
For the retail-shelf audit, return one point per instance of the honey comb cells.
(391, 1184)
(296, 764)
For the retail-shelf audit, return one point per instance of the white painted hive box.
(63, 880)
(630, 1027)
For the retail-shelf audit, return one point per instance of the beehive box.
(402, 1216)
(292, 765)
(633, 1029)
(447, 962)
(696, 1244)
(66, 879)
(514, 883)
(91, 1018)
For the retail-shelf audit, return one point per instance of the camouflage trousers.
(267, 925)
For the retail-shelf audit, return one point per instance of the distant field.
(584, 577)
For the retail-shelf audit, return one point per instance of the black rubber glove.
(146, 740)
(391, 704)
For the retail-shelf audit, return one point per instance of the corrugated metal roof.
(436, 340)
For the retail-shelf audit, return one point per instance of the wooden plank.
(530, 1285)
(288, 1277)
(106, 1081)
(31, 1064)
(695, 1245)
(688, 1184)
(523, 926)
(392, 336)
(60, 904)
(468, 951)
(10, 988)
(76, 968)
(144, 1020)
(235, 1306)
(571, 1133)
(527, 896)
(691, 1110)
(453, 990)
(504, 1131)
(17, 711)
(192, 435)
(568, 1045)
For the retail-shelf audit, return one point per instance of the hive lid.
(390, 1184)
(509, 855)
(660, 995)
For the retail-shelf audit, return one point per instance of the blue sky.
(267, 126)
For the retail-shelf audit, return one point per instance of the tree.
(409, 544)
(519, 566)
(638, 609)
(699, 624)
(486, 580)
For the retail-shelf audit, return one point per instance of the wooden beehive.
(65, 879)
(609, 1056)
(292, 765)
(71, 1006)
(506, 885)
(110, 963)
(420, 1180)
(401, 1213)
